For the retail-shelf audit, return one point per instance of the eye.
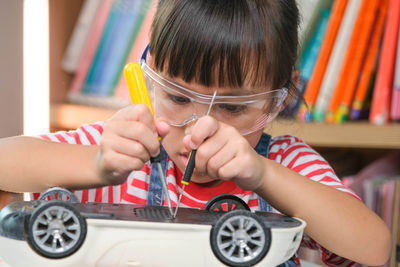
(234, 109)
(180, 100)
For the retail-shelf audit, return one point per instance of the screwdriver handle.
(189, 168)
(137, 85)
(138, 89)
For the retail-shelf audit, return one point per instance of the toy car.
(100, 234)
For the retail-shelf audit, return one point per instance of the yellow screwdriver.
(140, 95)
(191, 163)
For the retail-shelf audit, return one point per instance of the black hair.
(234, 43)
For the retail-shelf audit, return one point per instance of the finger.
(136, 131)
(130, 148)
(120, 163)
(219, 159)
(208, 149)
(162, 127)
(137, 112)
(207, 126)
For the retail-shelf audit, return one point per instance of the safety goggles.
(179, 106)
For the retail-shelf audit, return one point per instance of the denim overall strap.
(155, 194)
(262, 148)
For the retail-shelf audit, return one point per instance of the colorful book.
(395, 112)
(310, 13)
(79, 37)
(130, 20)
(94, 37)
(142, 40)
(310, 54)
(381, 99)
(312, 89)
(110, 31)
(343, 93)
(336, 60)
(361, 102)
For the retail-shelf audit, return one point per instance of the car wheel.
(226, 202)
(58, 193)
(240, 238)
(56, 229)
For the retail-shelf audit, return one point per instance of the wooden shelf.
(352, 134)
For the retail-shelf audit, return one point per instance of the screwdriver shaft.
(191, 164)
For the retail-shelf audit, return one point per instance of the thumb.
(162, 128)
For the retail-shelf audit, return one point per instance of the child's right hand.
(129, 140)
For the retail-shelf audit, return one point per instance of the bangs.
(229, 47)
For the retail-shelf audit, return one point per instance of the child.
(246, 51)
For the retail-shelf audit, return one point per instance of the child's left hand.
(223, 153)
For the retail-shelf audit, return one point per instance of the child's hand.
(128, 141)
(223, 153)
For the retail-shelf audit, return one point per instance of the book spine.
(360, 105)
(336, 60)
(91, 47)
(90, 85)
(395, 112)
(121, 91)
(355, 55)
(313, 86)
(129, 12)
(77, 41)
(381, 99)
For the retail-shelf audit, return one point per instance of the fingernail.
(192, 145)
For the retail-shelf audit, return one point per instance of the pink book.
(90, 48)
(381, 99)
(138, 47)
(395, 112)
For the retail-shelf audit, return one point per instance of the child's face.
(173, 141)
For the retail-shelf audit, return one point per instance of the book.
(361, 102)
(395, 111)
(142, 40)
(343, 93)
(130, 20)
(336, 60)
(79, 36)
(310, 54)
(312, 88)
(310, 13)
(90, 49)
(381, 99)
(110, 30)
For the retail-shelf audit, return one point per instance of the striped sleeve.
(88, 134)
(293, 153)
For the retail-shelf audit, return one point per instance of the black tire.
(240, 238)
(56, 230)
(226, 202)
(58, 193)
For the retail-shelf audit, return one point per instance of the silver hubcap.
(241, 239)
(56, 229)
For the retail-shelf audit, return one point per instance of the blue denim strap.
(155, 194)
(262, 148)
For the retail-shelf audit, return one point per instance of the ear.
(296, 77)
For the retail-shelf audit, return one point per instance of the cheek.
(173, 142)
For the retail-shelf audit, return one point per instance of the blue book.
(311, 53)
(130, 17)
(103, 45)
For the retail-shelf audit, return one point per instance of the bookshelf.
(347, 135)
(64, 116)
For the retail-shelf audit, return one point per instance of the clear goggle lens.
(179, 106)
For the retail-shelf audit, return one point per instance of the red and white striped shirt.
(287, 150)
